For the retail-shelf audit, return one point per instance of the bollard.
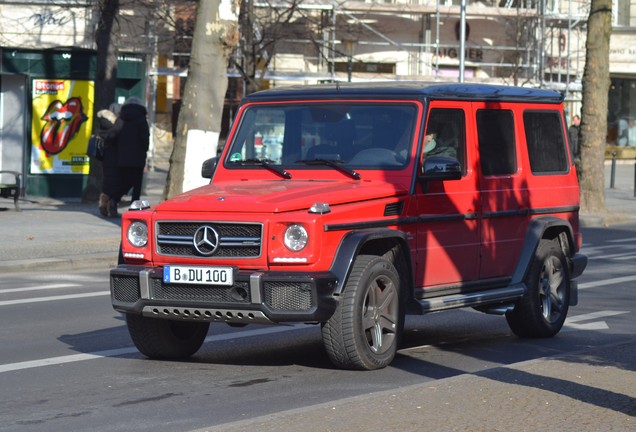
(613, 171)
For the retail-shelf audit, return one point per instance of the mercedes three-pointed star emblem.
(206, 240)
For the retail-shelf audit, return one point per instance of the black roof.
(408, 89)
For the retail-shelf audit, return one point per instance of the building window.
(621, 9)
(621, 109)
(364, 67)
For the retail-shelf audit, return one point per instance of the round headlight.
(138, 234)
(296, 237)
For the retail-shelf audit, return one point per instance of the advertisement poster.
(61, 126)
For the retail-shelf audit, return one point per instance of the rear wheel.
(542, 312)
(364, 331)
(166, 339)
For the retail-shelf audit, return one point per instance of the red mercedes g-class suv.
(351, 205)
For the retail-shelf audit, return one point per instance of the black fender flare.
(351, 245)
(536, 230)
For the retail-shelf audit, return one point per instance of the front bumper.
(255, 297)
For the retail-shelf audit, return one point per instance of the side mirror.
(208, 167)
(441, 168)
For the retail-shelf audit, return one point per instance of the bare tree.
(199, 123)
(262, 30)
(107, 37)
(593, 128)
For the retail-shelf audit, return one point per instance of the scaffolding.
(521, 42)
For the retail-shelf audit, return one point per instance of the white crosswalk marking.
(630, 254)
(626, 257)
(38, 288)
(623, 240)
(51, 298)
(605, 282)
(129, 350)
(574, 322)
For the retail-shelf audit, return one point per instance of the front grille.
(239, 293)
(125, 289)
(236, 240)
(288, 296)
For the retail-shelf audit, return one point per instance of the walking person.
(573, 132)
(133, 139)
(107, 119)
(627, 132)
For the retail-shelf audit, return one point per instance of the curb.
(95, 261)
(605, 219)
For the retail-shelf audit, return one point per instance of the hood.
(276, 196)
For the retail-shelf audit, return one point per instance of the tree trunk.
(199, 123)
(107, 40)
(593, 130)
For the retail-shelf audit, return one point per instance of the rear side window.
(495, 130)
(546, 144)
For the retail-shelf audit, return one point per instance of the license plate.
(198, 275)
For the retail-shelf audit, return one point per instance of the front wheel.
(542, 312)
(166, 339)
(364, 331)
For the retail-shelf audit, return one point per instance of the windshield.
(352, 135)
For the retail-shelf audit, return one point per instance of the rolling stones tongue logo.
(63, 121)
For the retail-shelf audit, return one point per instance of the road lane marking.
(593, 246)
(597, 250)
(629, 254)
(623, 240)
(65, 359)
(572, 323)
(38, 288)
(625, 258)
(606, 282)
(53, 298)
(132, 350)
(594, 315)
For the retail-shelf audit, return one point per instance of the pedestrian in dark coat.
(107, 119)
(573, 132)
(133, 139)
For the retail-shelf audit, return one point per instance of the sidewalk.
(54, 234)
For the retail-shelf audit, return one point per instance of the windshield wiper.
(266, 163)
(336, 164)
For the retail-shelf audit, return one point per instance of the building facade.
(47, 83)
(517, 42)
(47, 49)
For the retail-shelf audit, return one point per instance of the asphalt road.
(67, 363)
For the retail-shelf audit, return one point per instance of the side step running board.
(474, 299)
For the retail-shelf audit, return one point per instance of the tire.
(165, 339)
(365, 329)
(542, 312)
